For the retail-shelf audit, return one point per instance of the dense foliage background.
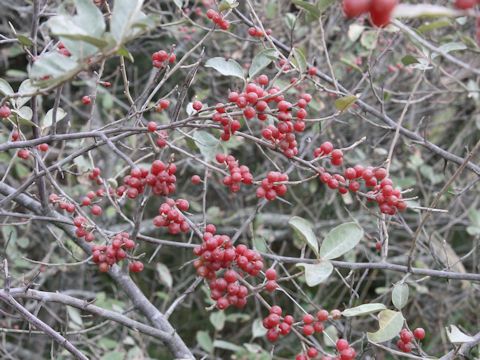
(405, 97)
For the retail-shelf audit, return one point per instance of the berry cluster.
(107, 255)
(218, 253)
(277, 324)
(238, 174)
(170, 216)
(82, 229)
(406, 337)
(160, 58)
(389, 199)
(61, 203)
(257, 32)
(218, 19)
(230, 126)
(282, 134)
(161, 178)
(227, 291)
(271, 186)
(312, 324)
(346, 352)
(380, 10)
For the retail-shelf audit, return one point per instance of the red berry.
(152, 126)
(96, 210)
(406, 336)
(43, 147)
(271, 274)
(354, 8)
(23, 154)
(322, 315)
(86, 100)
(419, 333)
(342, 344)
(196, 180)
(312, 352)
(308, 330)
(197, 105)
(136, 266)
(464, 4)
(5, 112)
(308, 319)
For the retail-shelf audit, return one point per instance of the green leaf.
(225, 67)
(257, 328)
(114, 355)
(456, 336)
(305, 230)
(24, 40)
(424, 10)
(299, 60)
(400, 295)
(74, 316)
(345, 102)
(126, 54)
(369, 39)
(261, 61)
(207, 144)
(26, 87)
(316, 273)
(364, 309)
(323, 5)
(390, 323)
(164, 274)
(355, 31)
(429, 26)
(48, 119)
(218, 320)
(474, 216)
(9, 234)
(310, 8)
(330, 336)
(340, 240)
(409, 60)
(221, 344)
(204, 340)
(24, 112)
(126, 13)
(5, 87)
(449, 47)
(290, 20)
(53, 65)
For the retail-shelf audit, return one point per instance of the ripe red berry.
(312, 352)
(354, 8)
(322, 315)
(342, 344)
(308, 319)
(86, 100)
(96, 210)
(419, 333)
(23, 154)
(197, 105)
(406, 336)
(312, 71)
(464, 4)
(196, 180)
(380, 11)
(5, 112)
(136, 266)
(271, 274)
(308, 330)
(43, 147)
(152, 126)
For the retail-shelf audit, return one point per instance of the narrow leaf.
(261, 61)
(345, 103)
(364, 309)
(308, 7)
(400, 295)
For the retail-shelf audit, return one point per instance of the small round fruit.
(86, 100)
(354, 8)
(419, 333)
